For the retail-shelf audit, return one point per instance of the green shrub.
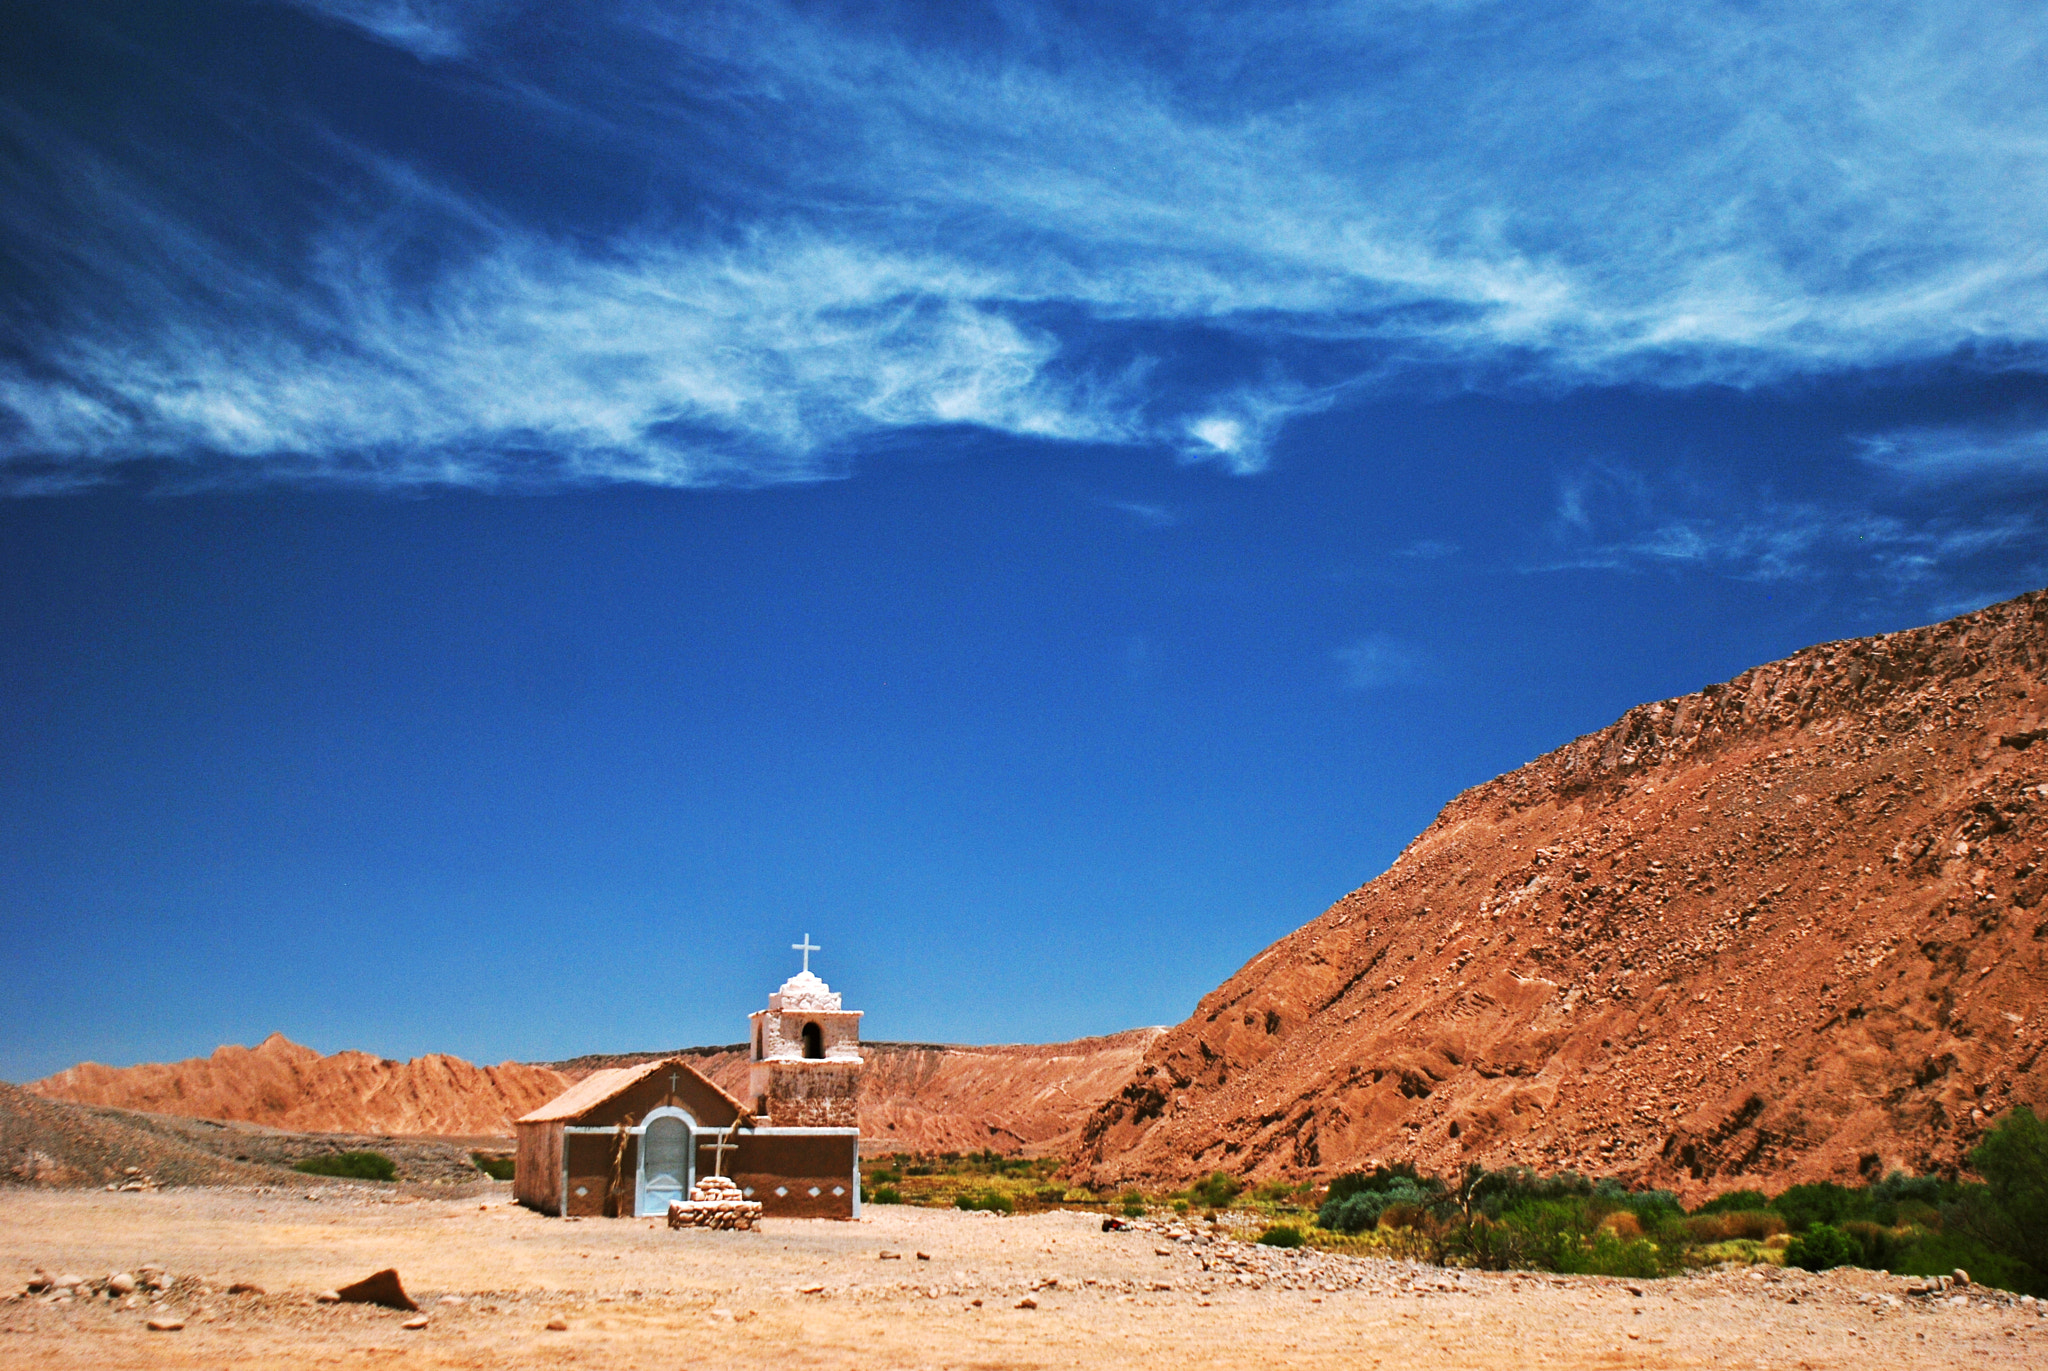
(1743, 1225)
(994, 1201)
(356, 1166)
(1181, 1206)
(885, 1194)
(1216, 1191)
(1735, 1201)
(496, 1167)
(1379, 1178)
(1282, 1235)
(1134, 1205)
(1937, 1254)
(1821, 1247)
(1822, 1202)
(2011, 1217)
(884, 1176)
(1360, 1210)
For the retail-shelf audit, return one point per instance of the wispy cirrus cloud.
(1610, 517)
(1938, 455)
(1378, 660)
(1177, 230)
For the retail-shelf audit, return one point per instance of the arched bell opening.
(814, 1041)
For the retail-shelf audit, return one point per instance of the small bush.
(1623, 1224)
(994, 1201)
(884, 1176)
(1134, 1206)
(1742, 1225)
(1357, 1210)
(1217, 1191)
(355, 1166)
(1822, 1202)
(1735, 1200)
(496, 1167)
(1181, 1206)
(1821, 1247)
(885, 1194)
(1282, 1235)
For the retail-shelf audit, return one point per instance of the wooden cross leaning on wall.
(721, 1147)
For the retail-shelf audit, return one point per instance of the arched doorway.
(814, 1041)
(664, 1163)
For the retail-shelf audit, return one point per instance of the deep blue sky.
(512, 513)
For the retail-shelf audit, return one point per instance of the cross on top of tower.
(807, 947)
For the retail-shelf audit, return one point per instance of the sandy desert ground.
(490, 1277)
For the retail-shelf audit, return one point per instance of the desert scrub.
(498, 1168)
(1215, 1191)
(1281, 1235)
(1821, 1247)
(884, 1194)
(355, 1166)
(994, 1201)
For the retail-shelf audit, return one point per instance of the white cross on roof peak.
(807, 947)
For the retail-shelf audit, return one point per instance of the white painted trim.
(807, 1132)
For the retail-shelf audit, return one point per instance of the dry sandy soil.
(821, 1294)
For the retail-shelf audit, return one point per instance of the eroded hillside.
(281, 1084)
(1789, 927)
(913, 1095)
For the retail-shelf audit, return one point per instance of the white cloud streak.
(1595, 197)
(1378, 660)
(1936, 456)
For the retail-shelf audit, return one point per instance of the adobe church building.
(628, 1141)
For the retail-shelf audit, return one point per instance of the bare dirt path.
(820, 1294)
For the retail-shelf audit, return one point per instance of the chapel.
(629, 1141)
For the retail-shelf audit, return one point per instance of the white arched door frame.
(689, 1178)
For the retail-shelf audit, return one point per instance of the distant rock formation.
(1790, 927)
(913, 1095)
(281, 1084)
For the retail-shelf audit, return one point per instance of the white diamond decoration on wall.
(814, 1192)
(782, 1190)
(749, 1192)
(839, 1190)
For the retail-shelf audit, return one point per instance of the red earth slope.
(913, 1095)
(1791, 927)
(280, 1084)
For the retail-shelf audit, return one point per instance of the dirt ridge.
(939, 1097)
(1788, 927)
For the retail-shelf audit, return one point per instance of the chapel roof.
(599, 1086)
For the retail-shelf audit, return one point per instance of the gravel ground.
(1040, 1291)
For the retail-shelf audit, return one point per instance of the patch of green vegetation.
(1996, 1229)
(940, 1179)
(995, 1201)
(883, 1194)
(1216, 1190)
(355, 1166)
(495, 1165)
(1282, 1235)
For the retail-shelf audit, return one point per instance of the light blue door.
(664, 1165)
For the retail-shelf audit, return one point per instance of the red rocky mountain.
(1790, 927)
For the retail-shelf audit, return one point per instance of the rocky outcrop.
(281, 1084)
(912, 1095)
(1794, 926)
